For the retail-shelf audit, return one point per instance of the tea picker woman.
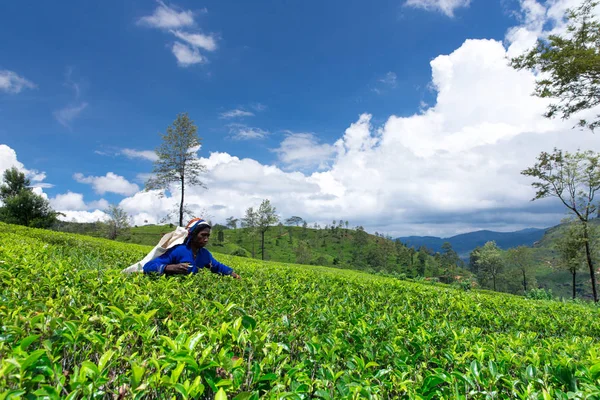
(189, 257)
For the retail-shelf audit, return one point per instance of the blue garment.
(183, 254)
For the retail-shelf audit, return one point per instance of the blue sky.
(273, 86)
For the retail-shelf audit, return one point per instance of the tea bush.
(72, 326)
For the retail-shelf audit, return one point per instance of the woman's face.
(201, 238)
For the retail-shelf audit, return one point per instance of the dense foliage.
(569, 66)
(73, 325)
(20, 205)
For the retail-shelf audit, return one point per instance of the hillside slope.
(73, 325)
(338, 247)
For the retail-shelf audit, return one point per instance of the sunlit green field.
(71, 325)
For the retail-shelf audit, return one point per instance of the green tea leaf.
(248, 322)
(221, 395)
(31, 359)
(25, 343)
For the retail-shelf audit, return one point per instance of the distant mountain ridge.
(464, 243)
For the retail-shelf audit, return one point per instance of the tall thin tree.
(250, 222)
(521, 259)
(570, 245)
(574, 178)
(177, 161)
(117, 221)
(266, 217)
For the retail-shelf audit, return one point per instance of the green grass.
(73, 326)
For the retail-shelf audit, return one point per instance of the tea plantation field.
(72, 326)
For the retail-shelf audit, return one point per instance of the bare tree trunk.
(588, 255)
(262, 245)
(574, 292)
(524, 282)
(181, 204)
(494, 279)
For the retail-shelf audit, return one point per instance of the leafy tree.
(473, 260)
(570, 246)
(177, 161)
(422, 261)
(266, 217)
(303, 252)
(574, 178)
(411, 261)
(450, 259)
(117, 223)
(489, 263)
(295, 220)
(359, 247)
(569, 66)
(521, 258)
(250, 222)
(21, 205)
(403, 256)
(374, 256)
(14, 182)
(231, 222)
(386, 248)
(220, 236)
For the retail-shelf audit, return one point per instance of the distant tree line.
(338, 245)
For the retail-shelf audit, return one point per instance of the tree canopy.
(21, 205)
(568, 66)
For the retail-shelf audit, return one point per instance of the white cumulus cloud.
(68, 201)
(110, 183)
(74, 202)
(8, 159)
(83, 216)
(303, 150)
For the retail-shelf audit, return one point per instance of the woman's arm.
(218, 268)
(167, 263)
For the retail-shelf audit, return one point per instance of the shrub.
(239, 253)
(540, 294)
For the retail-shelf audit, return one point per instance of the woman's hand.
(235, 276)
(177, 269)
